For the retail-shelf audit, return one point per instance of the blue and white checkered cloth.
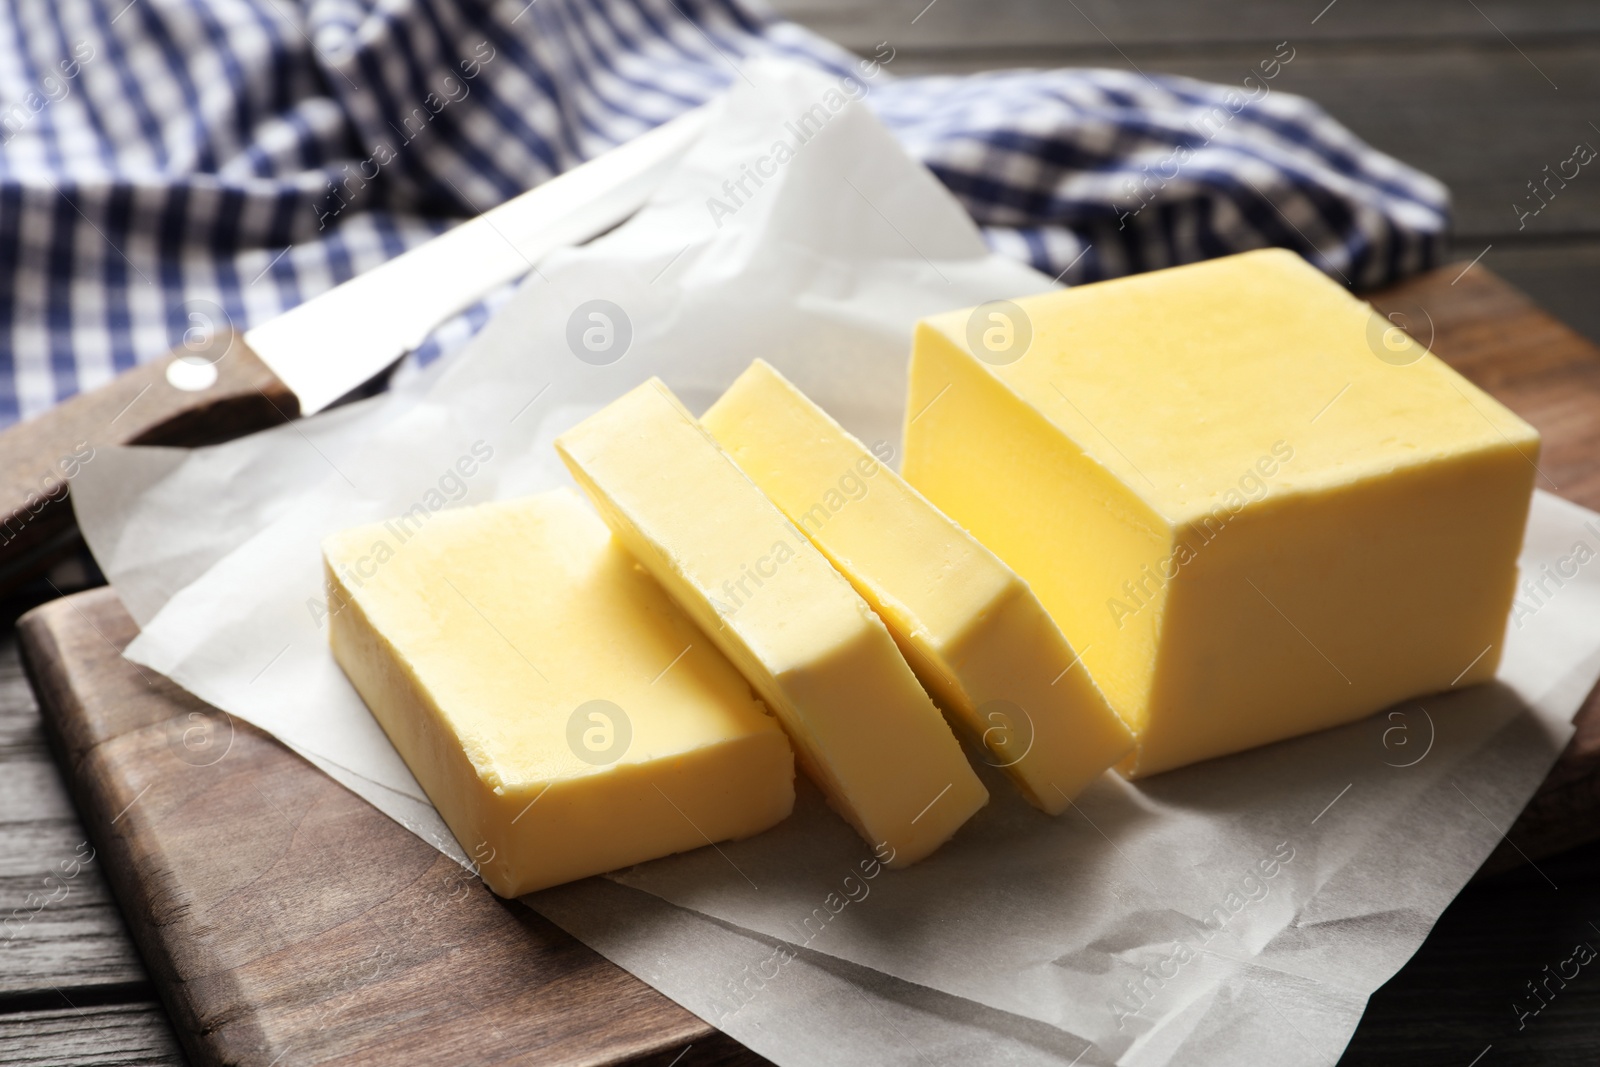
(160, 155)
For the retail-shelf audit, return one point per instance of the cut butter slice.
(1257, 507)
(561, 712)
(862, 726)
(973, 631)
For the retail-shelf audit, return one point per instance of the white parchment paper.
(1240, 911)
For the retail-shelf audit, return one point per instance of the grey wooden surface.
(72, 989)
(1481, 94)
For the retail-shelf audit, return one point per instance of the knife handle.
(209, 391)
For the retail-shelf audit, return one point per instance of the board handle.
(211, 390)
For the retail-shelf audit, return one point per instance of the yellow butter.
(1253, 504)
(975, 633)
(862, 726)
(561, 712)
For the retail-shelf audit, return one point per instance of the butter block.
(862, 726)
(1255, 506)
(971, 629)
(561, 712)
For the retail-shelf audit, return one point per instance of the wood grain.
(1191, 26)
(40, 456)
(276, 911)
(70, 935)
(115, 1035)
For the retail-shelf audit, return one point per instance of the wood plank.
(1189, 25)
(277, 911)
(117, 1035)
(58, 923)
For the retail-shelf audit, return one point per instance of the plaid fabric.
(163, 159)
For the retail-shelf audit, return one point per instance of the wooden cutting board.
(285, 921)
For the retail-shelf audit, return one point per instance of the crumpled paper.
(1239, 911)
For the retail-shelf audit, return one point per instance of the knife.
(220, 384)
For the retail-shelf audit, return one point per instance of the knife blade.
(221, 385)
(374, 318)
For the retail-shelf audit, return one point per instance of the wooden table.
(1437, 83)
